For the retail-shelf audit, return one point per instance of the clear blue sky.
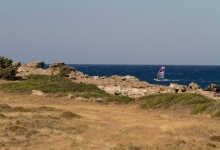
(183, 32)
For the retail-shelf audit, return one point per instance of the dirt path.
(102, 127)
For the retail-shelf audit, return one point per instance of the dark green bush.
(7, 71)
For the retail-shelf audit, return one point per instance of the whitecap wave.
(167, 80)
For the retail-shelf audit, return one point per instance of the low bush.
(7, 70)
(197, 103)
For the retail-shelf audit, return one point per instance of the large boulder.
(178, 88)
(31, 68)
(128, 77)
(212, 87)
(76, 75)
(57, 65)
(193, 86)
(39, 64)
(37, 92)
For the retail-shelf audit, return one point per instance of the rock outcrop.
(38, 68)
(178, 88)
(193, 86)
(116, 85)
(212, 87)
(57, 65)
(36, 65)
(16, 64)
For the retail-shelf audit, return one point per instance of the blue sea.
(179, 74)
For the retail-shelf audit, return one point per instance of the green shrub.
(7, 71)
(125, 99)
(197, 103)
(61, 85)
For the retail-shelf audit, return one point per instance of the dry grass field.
(58, 123)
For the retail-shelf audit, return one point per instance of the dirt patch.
(102, 127)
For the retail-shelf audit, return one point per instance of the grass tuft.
(69, 115)
(45, 108)
(2, 116)
(5, 107)
(20, 109)
(215, 138)
(17, 128)
(211, 145)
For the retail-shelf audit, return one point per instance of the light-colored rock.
(178, 88)
(81, 99)
(69, 96)
(128, 77)
(99, 100)
(95, 77)
(57, 64)
(131, 92)
(193, 86)
(116, 92)
(39, 64)
(37, 92)
(170, 90)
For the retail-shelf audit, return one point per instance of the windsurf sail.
(161, 73)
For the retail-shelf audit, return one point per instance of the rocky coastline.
(116, 85)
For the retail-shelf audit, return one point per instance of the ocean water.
(179, 74)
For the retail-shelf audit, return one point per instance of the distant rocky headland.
(117, 85)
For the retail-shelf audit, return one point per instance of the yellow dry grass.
(57, 123)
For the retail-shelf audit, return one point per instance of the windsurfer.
(160, 74)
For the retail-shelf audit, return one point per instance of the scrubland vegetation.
(60, 85)
(197, 103)
(63, 86)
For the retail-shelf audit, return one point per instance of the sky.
(169, 32)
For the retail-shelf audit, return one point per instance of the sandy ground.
(34, 122)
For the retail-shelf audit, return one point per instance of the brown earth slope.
(53, 122)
